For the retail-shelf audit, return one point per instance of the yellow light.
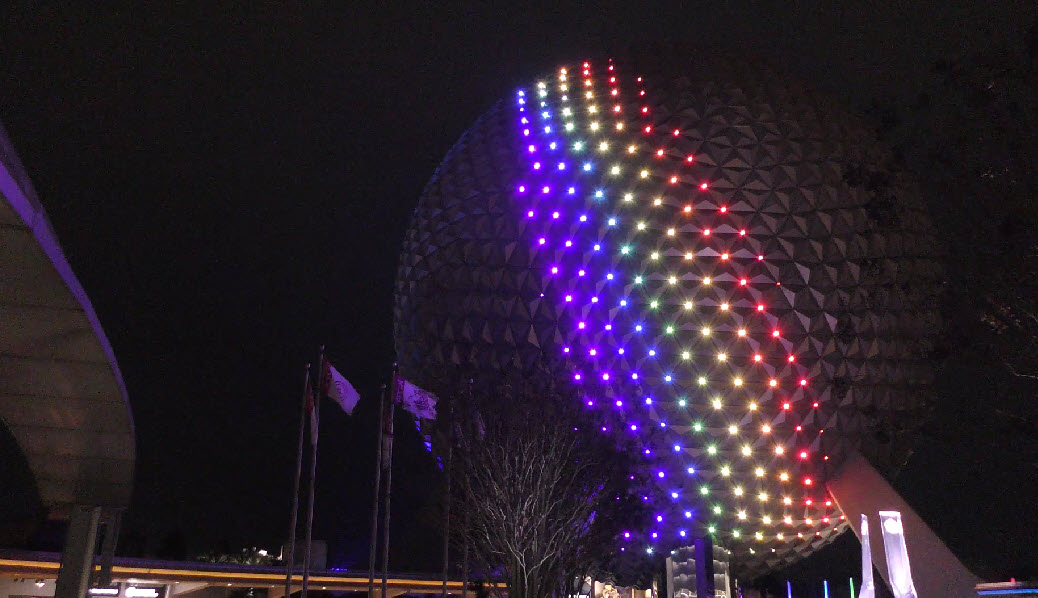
(592, 109)
(654, 255)
(672, 280)
(706, 331)
(753, 406)
(615, 170)
(564, 87)
(778, 536)
(724, 307)
(641, 226)
(788, 520)
(765, 429)
(784, 476)
(644, 174)
(686, 355)
(569, 126)
(631, 149)
(763, 496)
(628, 197)
(742, 332)
(688, 256)
(738, 490)
(566, 111)
(688, 305)
(717, 403)
(766, 520)
(733, 429)
(706, 280)
(759, 536)
(619, 126)
(588, 95)
(726, 471)
(746, 451)
(760, 474)
(722, 357)
(742, 515)
(779, 450)
(670, 232)
(737, 382)
(787, 500)
(657, 201)
(594, 126)
(604, 146)
(701, 381)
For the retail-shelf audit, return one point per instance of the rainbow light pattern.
(666, 298)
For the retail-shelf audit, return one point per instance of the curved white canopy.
(61, 393)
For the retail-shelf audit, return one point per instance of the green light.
(712, 449)
(698, 426)
(717, 509)
(578, 146)
(625, 249)
(637, 280)
(681, 402)
(704, 490)
(654, 304)
(711, 529)
(735, 533)
(670, 330)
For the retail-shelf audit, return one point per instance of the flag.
(336, 387)
(868, 586)
(420, 402)
(310, 410)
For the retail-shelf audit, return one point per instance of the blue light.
(587, 166)
(599, 193)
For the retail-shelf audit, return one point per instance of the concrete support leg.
(113, 520)
(77, 559)
(859, 489)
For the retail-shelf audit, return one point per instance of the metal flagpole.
(313, 473)
(447, 514)
(389, 484)
(293, 521)
(378, 483)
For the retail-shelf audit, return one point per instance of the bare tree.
(545, 495)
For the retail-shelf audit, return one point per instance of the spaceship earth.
(725, 261)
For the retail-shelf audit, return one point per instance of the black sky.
(232, 184)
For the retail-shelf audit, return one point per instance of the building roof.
(61, 393)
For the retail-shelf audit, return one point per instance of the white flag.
(419, 402)
(339, 389)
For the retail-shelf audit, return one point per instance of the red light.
(775, 333)
(807, 481)
(677, 132)
(828, 503)
(645, 109)
(760, 307)
(703, 186)
(742, 232)
(724, 209)
(616, 108)
(648, 129)
(803, 455)
(641, 93)
(842, 517)
(639, 79)
(760, 258)
(587, 64)
(800, 428)
(791, 358)
(743, 281)
(724, 256)
(688, 209)
(659, 152)
(614, 92)
(706, 232)
(690, 159)
(610, 66)
(808, 501)
(612, 79)
(803, 382)
(786, 406)
(673, 180)
(815, 405)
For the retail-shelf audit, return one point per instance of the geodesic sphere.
(716, 254)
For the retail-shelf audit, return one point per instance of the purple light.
(554, 269)
(583, 218)
(660, 474)
(536, 165)
(619, 403)
(545, 189)
(532, 148)
(571, 190)
(620, 350)
(655, 535)
(677, 448)
(565, 349)
(648, 400)
(634, 427)
(590, 403)
(576, 376)
(659, 518)
(594, 300)
(554, 214)
(542, 241)
(608, 326)
(605, 376)
(526, 131)
(688, 514)
(569, 298)
(593, 352)
(634, 376)
(580, 272)
(627, 534)
(562, 166)
(569, 243)
(580, 325)
(522, 188)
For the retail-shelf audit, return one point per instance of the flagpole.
(447, 514)
(293, 520)
(378, 483)
(389, 484)
(313, 474)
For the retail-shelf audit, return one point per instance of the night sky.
(232, 188)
